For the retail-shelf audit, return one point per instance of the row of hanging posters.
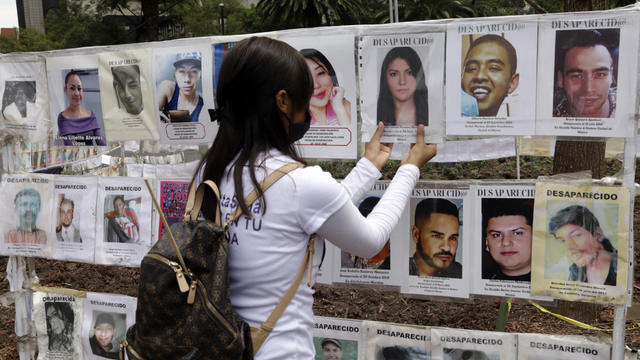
(345, 339)
(452, 240)
(165, 91)
(73, 324)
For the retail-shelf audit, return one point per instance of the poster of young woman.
(57, 315)
(74, 99)
(75, 218)
(25, 99)
(126, 90)
(382, 269)
(401, 82)
(580, 89)
(329, 55)
(543, 347)
(581, 243)
(457, 344)
(501, 234)
(26, 226)
(338, 339)
(104, 324)
(183, 92)
(491, 76)
(123, 221)
(389, 341)
(435, 250)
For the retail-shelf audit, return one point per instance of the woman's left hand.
(337, 94)
(375, 151)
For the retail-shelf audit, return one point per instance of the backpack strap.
(259, 335)
(264, 185)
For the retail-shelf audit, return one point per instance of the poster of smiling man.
(491, 77)
(127, 95)
(581, 92)
(183, 93)
(105, 322)
(332, 108)
(24, 112)
(401, 81)
(581, 243)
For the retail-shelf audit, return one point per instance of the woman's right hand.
(420, 152)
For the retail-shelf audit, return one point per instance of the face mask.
(297, 130)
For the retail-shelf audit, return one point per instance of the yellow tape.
(576, 322)
(509, 301)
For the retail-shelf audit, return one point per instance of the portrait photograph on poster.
(26, 230)
(457, 344)
(580, 92)
(123, 227)
(333, 131)
(106, 319)
(401, 84)
(435, 262)
(495, 66)
(503, 233)
(25, 100)
(58, 321)
(182, 95)
(335, 339)
(127, 92)
(383, 268)
(388, 341)
(580, 249)
(75, 218)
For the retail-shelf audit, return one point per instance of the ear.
(415, 233)
(600, 234)
(282, 101)
(513, 84)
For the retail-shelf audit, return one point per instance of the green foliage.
(286, 14)
(202, 18)
(29, 40)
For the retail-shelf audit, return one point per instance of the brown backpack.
(184, 302)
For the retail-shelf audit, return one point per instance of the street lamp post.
(222, 17)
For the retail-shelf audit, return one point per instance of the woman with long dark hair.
(403, 97)
(263, 93)
(328, 106)
(78, 125)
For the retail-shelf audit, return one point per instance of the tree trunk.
(572, 156)
(150, 19)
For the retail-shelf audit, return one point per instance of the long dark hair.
(251, 75)
(319, 58)
(386, 108)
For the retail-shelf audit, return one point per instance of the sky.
(8, 13)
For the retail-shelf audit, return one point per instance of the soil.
(366, 303)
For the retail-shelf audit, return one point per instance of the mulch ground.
(363, 303)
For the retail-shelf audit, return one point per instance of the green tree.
(203, 18)
(285, 14)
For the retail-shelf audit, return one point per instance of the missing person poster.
(126, 90)
(57, 314)
(491, 76)
(401, 82)
(27, 224)
(105, 322)
(74, 99)
(581, 243)
(437, 260)
(580, 89)
(501, 233)
(544, 347)
(25, 99)
(123, 221)
(172, 195)
(457, 344)
(385, 267)
(75, 218)
(183, 93)
(338, 339)
(334, 123)
(389, 341)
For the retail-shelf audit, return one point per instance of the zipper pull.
(191, 298)
(182, 282)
